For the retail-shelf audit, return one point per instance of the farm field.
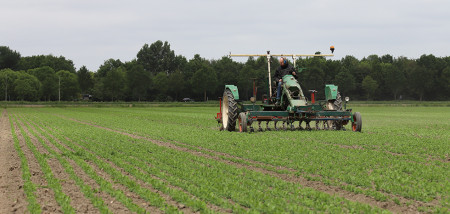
(175, 159)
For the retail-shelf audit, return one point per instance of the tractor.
(294, 107)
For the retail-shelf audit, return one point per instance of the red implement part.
(313, 96)
(219, 115)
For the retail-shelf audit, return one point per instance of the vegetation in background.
(158, 74)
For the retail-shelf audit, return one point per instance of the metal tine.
(259, 126)
(267, 126)
(308, 127)
(300, 125)
(284, 125)
(317, 125)
(275, 125)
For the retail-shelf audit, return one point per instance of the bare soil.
(12, 196)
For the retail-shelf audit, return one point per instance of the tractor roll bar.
(268, 55)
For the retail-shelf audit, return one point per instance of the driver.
(284, 69)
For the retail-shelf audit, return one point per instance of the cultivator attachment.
(293, 112)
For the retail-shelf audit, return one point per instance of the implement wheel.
(357, 124)
(242, 122)
(229, 111)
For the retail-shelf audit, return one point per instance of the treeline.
(157, 74)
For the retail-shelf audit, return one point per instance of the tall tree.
(445, 78)
(57, 63)
(8, 58)
(26, 87)
(176, 84)
(227, 70)
(387, 59)
(204, 79)
(138, 81)
(85, 80)
(108, 66)
(68, 85)
(114, 83)
(160, 83)
(345, 82)
(49, 82)
(157, 57)
(395, 79)
(369, 85)
(420, 80)
(7, 78)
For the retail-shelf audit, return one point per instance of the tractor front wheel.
(229, 111)
(357, 122)
(243, 122)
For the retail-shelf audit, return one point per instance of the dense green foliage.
(401, 158)
(158, 74)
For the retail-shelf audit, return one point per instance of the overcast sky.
(88, 32)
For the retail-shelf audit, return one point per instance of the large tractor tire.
(229, 111)
(357, 122)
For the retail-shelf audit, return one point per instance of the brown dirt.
(317, 185)
(12, 196)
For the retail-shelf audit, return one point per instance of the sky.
(88, 32)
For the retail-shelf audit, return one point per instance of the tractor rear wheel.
(357, 122)
(229, 111)
(243, 122)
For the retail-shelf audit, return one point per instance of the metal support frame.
(268, 55)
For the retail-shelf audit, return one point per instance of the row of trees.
(157, 74)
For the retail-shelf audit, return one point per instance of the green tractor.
(293, 108)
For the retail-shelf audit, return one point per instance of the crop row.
(208, 180)
(28, 186)
(88, 191)
(410, 161)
